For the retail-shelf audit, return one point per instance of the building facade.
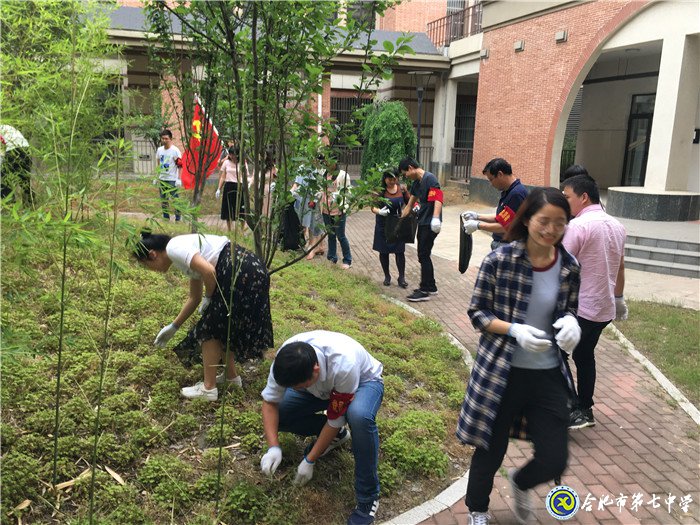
(613, 85)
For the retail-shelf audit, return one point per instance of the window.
(465, 116)
(342, 108)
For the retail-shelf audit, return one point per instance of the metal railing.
(352, 157)
(461, 160)
(426, 156)
(461, 24)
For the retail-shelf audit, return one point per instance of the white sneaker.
(521, 498)
(479, 518)
(199, 392)
(238, 381)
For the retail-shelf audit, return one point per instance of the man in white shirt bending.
(169, 163)
(317, 371)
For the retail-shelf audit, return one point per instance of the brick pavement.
(642, 442)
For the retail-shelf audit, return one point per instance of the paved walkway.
(642, 442)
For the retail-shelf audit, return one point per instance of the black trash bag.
(291, 232)
(465, 247)
(400, 229)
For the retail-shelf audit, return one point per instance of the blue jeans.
(168, 192)
(336, 224)
(300, 413)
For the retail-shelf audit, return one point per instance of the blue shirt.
(420, 189)
(513, 197)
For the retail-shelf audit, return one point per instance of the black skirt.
(250, 333)
(229, 211)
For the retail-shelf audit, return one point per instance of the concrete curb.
(458, 489)
(442, 501)
(669, 387)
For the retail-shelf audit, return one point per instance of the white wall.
(600, 145)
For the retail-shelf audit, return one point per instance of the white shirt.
(182, 248)
(167, 167)
(344, 364)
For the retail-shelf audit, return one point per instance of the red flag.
(203, 153)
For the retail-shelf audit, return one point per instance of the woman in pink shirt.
(232, 207)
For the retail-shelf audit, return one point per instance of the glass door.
(637, 144)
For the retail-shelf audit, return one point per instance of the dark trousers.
(426, 239)
(541, 396)
(584, 357)
(168, 192)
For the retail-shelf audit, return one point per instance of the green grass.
(163, 446)
(668, 336)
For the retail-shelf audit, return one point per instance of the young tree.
(56, 89)
(258, 67)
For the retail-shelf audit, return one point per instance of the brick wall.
(413, 15)
(521, 95)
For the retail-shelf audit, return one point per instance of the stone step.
(663, 267)
(662, 254)
(686, 246)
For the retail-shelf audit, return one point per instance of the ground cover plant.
(158, 455)
(668, 336)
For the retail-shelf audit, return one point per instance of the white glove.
(384, 211)
(621, 311)
(469, 216)
(568, 333)
(218, 193)
(435, 224)
(305, 471)
(165, 335)
(178, 183)
(204, 304)
(272, 186)
(271, 460)
(529, 337)
(155, 182)
(470, 226)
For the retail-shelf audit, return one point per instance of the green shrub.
(184, 425)
(388, 135)
(210, 459)
(165, 398)
(389, 478)
(206, 486)
(20, 479)
(414, 444)
(246, 503)
(149, 436)
(8, 436)
(220, 434)
(130, 513)
(247, 422)
(160, 468)
(251, 443)
(394, 387)
(419, 394)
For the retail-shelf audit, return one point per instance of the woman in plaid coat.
(524, 303)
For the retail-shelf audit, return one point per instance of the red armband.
(505, 217)
(435, 194)
(178, 163)
(338, 404)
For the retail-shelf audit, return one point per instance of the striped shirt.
(502, 291)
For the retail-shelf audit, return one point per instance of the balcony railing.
(461, 24)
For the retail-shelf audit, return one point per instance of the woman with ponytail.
(214, 268)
